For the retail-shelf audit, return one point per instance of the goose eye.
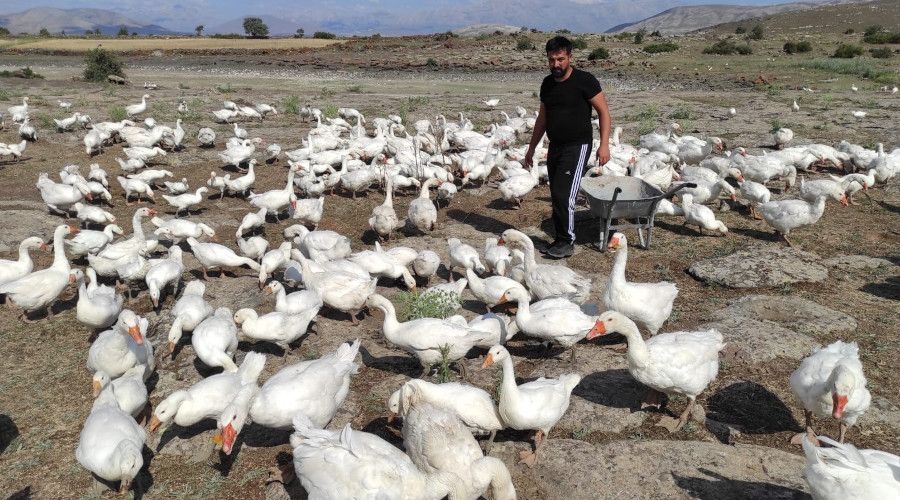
(234, 417)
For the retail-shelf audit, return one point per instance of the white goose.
(425, 338)
(90, 213)
(422, 212)
(129, 390)
(280, 328)
(136, 109)
(314, 389)
(490, 290)
(215, 256)
(123, 347)
(536, 405)
(339, 290)
(111, 442)
(830, 383)
(426, 264)
(276, 200)
(251, 221)
(320, 245)
(244, 183)
(309, 211)
(701, 216)
(786, 215)
(544, 280)
(189, 310)
(40, 289)
(496, 257)
(299, 302)
(98, 305)
(163, 273)
(208, 397)
(134, 186)
(179, 230)
(464, 256)
(253, 247)
(384, 218)
(184, 202)
(273, 260)
(647, 303)
(59, 198)
(555, 320)
(215, 340)
(11, 270)
(671, 363)
(474, 406)
(137, 244)
(756, 194)
(841, 471)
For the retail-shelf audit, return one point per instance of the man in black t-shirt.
(568, 96)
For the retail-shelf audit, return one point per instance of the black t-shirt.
(568, 108)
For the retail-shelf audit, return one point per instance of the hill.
(695, 17)
(75, 21)
(826, 18)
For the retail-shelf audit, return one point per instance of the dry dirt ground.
(45, 387)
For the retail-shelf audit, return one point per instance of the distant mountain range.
(695, 17)
(75, 21)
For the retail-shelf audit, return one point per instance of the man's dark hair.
(559, 43)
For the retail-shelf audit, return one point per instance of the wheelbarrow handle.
(671, 192)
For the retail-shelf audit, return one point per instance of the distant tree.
(100, 63)
(639, 36)
(871, 30)
(324, 35)
(134, 33)
(98, 32)
(740, 30)
(88, 32)
(579, 43)
(123, 32)
(656, 34)
(62, 33)
(598, 53)
(850, 31)
(4, 31)
(756, 33)
(44, 32)
(199, 30)
(299, 33)
(255, 27)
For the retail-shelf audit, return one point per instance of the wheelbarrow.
(628, 198)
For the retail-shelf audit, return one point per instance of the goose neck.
(391, 326)
(638, 354)
(618, 270)
(59, 253)
(509, 391)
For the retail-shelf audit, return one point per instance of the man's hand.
(529, 158)
(603, 154)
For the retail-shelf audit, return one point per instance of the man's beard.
(557, 72)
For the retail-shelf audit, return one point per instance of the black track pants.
(565, 166)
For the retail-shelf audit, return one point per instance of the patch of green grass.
(847, 51)
(117, 113)
(775, 125)
(444, 373)
(681, 112)
(253, 475)
(646, 126)
(326, 93)
(4, 95)
(183, 86)
(648, 112)
(434, 304)
(413, 103)
(44, 120)
(355, 89)
(728, 47)
(656, 48)
(224, 89)
(580, 433)
(291, 105)
(26, 73)
(329, 111)
(855, 67)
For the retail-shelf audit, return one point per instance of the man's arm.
(540, 126)
(599, 104)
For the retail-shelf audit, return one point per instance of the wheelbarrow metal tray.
(636, 198)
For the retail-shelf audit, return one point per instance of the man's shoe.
(554, 244)
(561, 251)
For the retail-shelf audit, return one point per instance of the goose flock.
(309, 270)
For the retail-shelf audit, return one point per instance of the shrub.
(25, 73)
(226, 35)
(598, 53)
(431, 63)
(254, 27)
(329, 111)
(797, 47)
(435, 304)
(4, 31)
(123, 32)
(740, 30)
(291, 105)
(639, 36)
(655, 48)
(100, 63)
(44, 33)
(656, 34)
(756, 33)
(850, 31)
(579, 43)
(563, 31)
(324, 35)
(299, 33)
(882, 37)
(728, 47)
(847, 51)
(524, 44)
(881, 53)
(873, 29)
(681, 113)
(117, 113)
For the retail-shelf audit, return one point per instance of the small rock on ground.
(749, 341)
(762, 266)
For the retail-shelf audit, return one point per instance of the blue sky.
(385, 16)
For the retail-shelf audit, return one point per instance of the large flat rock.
(654, 469)
(761, 266)
(791, 312)
(750, 341)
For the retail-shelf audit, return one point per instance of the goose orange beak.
(135, 333)
(154, 423)
(502, 300)
(501, 242)
(598, 330)
(267, 290)
(96, 388)
(152, 211)
(613, 244)
(488, 360)
(74, 230)
(229, 435)
(844, 201)
(44, 247)
(839, 403)
(171, 347)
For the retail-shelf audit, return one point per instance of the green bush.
(4, 31)
(44, 33)
(524, 44)
(639, 36)
(26, 73)
(881, 53)
(435, 304)
(598, 53)
(579, 43)
(756, 33)
(728, 47)
(100, 63)
(882, 37)
(655, 48)
(797, 47)
(850, 31)
(291, 105)
(123, 32)
(656, 34)
(324, 35)
(255, 27)
(117, 113)
(740, 30)
(431, 63)
(847, 51)
(226, 35)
